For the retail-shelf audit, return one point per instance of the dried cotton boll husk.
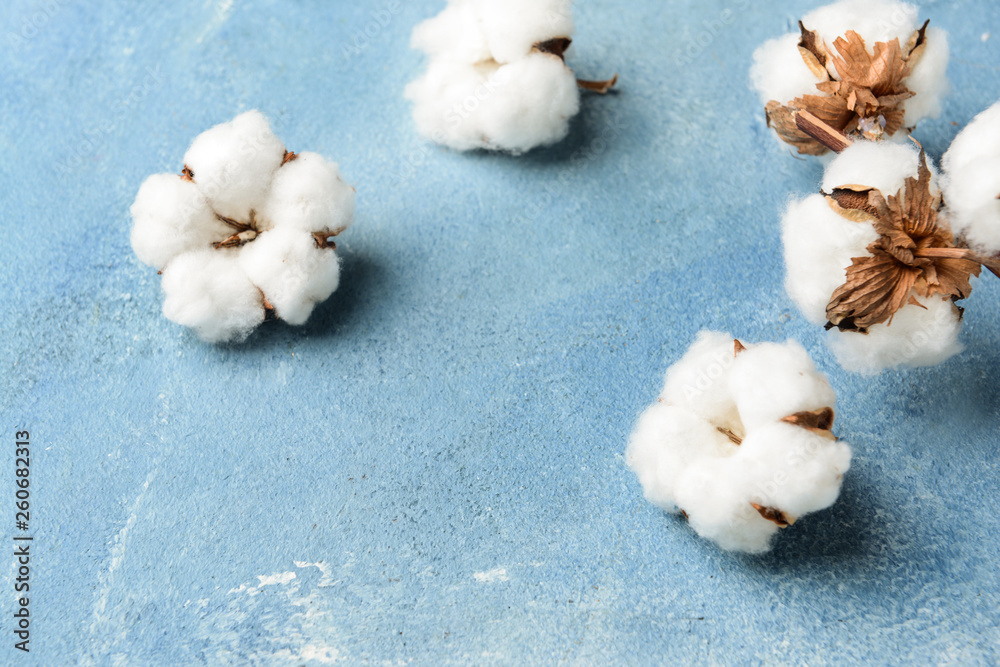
(868, 68)
(880, 263)
(740, 441)
(207, 291)
(244, 232)
(972, 181)
(497, 77)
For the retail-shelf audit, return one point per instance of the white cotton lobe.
(486, 85)
(294, 273)
(879, 165)
(171, 216)
(972, 181)
(513, 27)
(925, 335)
(818, 247)
(716, 452)
(771, 381)
(779, 72)
(874, 20)
(207, 291)
(246, 228)
(233, 163)
(309, 194)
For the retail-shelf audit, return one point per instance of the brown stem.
(991, 263)
(238, 226)
(833, 139)
(599, 87)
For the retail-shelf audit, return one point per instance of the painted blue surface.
(437, 457)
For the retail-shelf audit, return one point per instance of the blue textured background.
(437, 457)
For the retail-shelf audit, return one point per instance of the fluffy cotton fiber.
(972, 181)
(780, 73)
(727, 444)
(243, 231)
(487, 85)
(819, 244)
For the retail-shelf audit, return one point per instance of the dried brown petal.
(556, 47)
(852, 204)
(738, 347)
(733, 438)
(187, 174)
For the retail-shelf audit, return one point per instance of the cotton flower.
(865, 67)
(971, 181)
(496, 77)
(243, 232)
(874, 258)
(740, 441)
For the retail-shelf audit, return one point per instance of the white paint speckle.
(985, 37)
(273, 579)
(498, 574)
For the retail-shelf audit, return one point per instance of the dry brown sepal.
(914, 255)
(775, 516)
(558, 48)
(862, 92)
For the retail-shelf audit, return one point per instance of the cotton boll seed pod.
(740, 475)
(972, 181)
(892, 302)
(497, 78)
(225, 272)
(865, 67)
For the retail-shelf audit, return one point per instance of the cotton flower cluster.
(496, 79)
(740, 441)
(971, 181)
(875, 258)
(243, 232)
(865, 67)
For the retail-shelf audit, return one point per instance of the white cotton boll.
(880, 165)
(819, 244)
(699, 381)
(715, 465)
(663, 445)
(915, 338)
(207, 291)
(793, 468)
(716, 497)
(170, 216)
(292, 272)
(972, 181)
(534, 108)
(455, 33)
(513, 27)
(874, 20)
(779, 72)
(233, 164)
(309, 194)
(770, 382)
(927, 80)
